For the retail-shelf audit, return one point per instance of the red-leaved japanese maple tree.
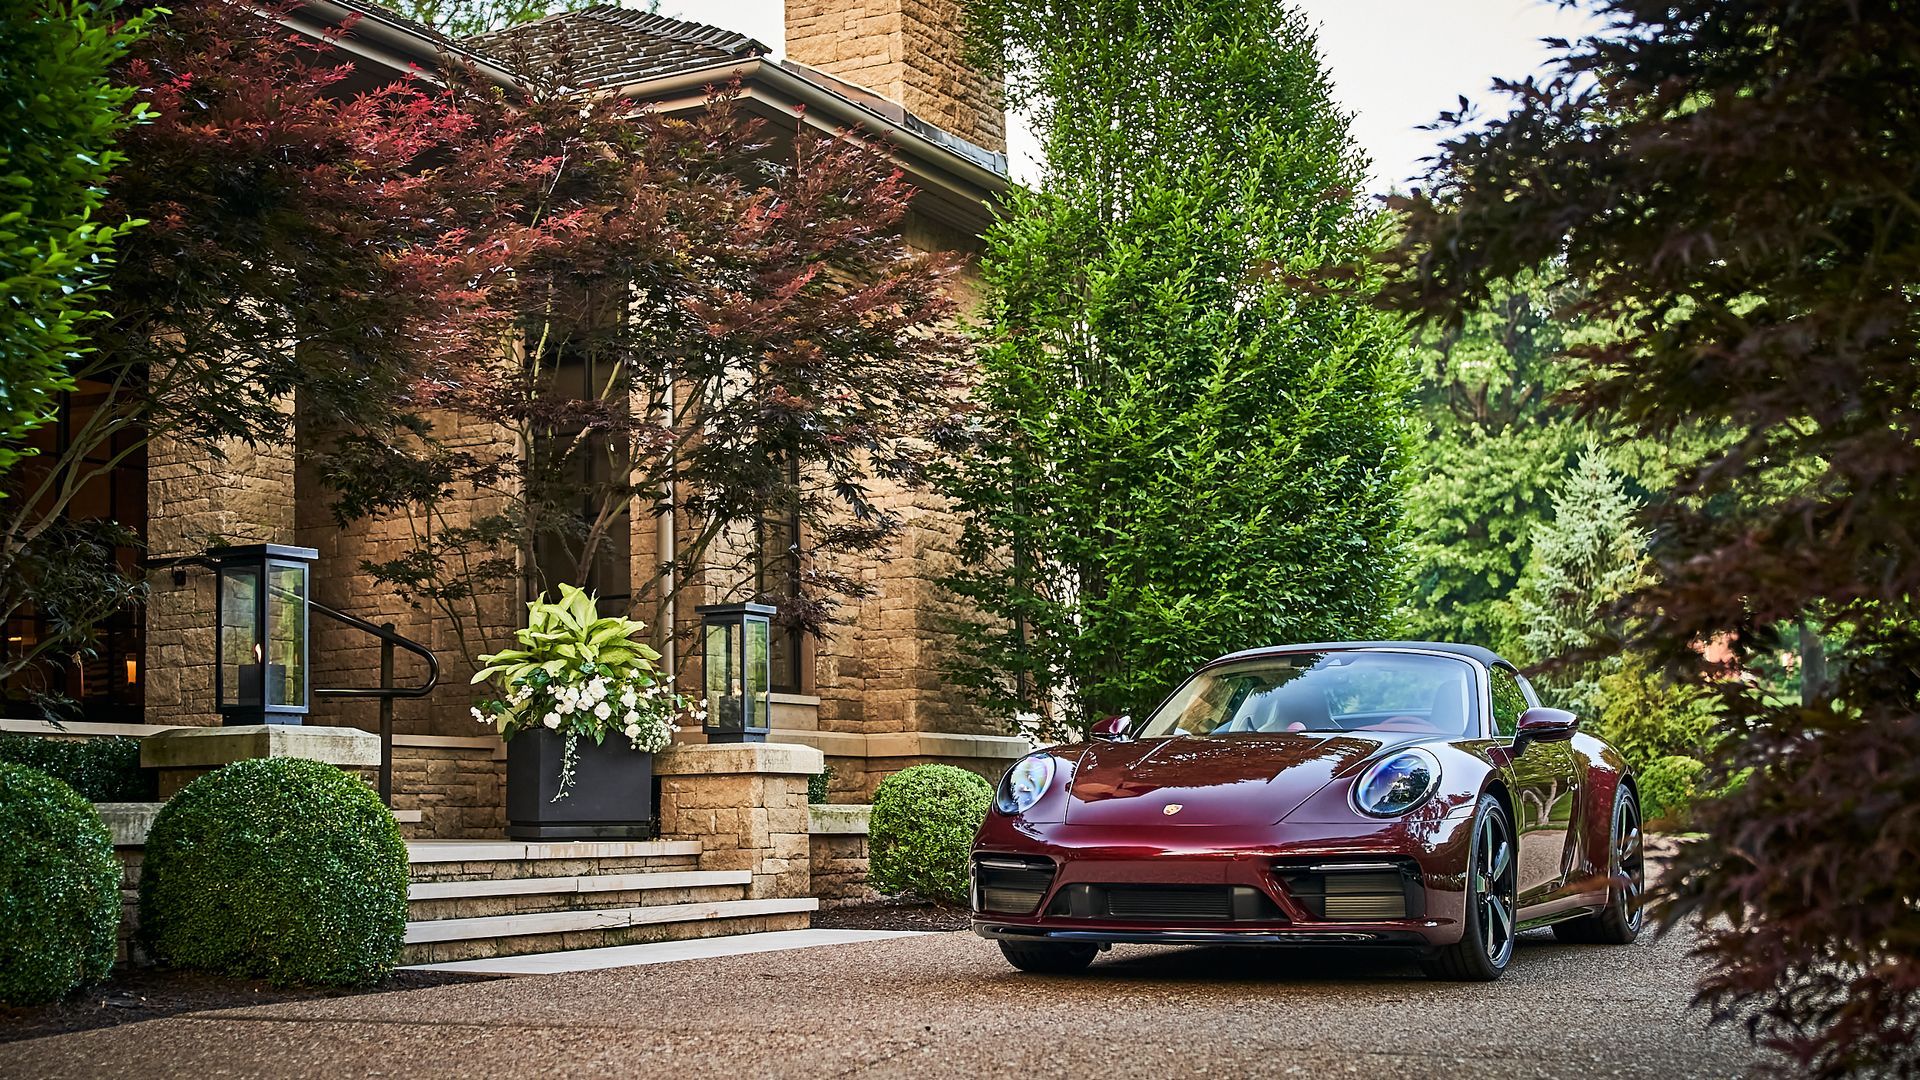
(295, 248)
(1737, 185)
(695, 313)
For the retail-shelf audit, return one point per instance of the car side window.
(1509, 701)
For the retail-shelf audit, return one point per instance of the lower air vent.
(1357, 891)
(1011, 884)
(1166, 903)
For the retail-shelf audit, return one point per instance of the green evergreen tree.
(1582, 562)
(1496, 445)
(59, 118)
(1187, 447)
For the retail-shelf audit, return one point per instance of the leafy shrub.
(1669, 786)
(59, 889)
(278, 868)
(817, 785)
(924, 819)
(101, 770)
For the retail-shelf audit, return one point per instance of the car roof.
(1474, 652)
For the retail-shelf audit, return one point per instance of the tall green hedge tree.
(59, 118)
(1187, 446)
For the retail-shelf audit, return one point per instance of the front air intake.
(1370, 890)
(1010, 884)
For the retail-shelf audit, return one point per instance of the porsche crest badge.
(1171, 809)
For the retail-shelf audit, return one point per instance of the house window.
(778, 583)
(108, 680)
(580, 482)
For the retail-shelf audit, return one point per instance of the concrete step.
(438, 900)
(445, 940)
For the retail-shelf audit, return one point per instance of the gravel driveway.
(945, 1005)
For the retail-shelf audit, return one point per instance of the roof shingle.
(612, 45)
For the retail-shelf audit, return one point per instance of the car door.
(1543, 780)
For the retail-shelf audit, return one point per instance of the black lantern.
(260, 635)
(739, 671)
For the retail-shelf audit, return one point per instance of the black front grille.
(1171, 903)
(1357, 890)
(1207, 903)
(1010, 884)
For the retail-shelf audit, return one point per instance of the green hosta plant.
(584, 676)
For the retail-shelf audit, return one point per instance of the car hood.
(1212, 780)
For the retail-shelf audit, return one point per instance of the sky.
(1396, 64)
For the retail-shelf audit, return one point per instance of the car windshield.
(1325, 691)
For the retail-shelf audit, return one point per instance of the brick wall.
(909, 51)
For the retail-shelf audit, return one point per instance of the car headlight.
(1024, 784)
(1397, 783)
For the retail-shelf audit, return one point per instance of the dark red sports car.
(1368, 793)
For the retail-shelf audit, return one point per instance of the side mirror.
(1541, 724)
(1112, 729)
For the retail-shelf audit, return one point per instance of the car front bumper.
(1285, 884)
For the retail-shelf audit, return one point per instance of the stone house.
(871, 697)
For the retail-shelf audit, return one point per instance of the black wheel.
(1619, 922)
(1486, 940)
(1049, 957)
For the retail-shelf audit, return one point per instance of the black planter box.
(611, 797)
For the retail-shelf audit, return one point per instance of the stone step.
(477, 860)
(433, 941)
(445, 890)
(437, 900)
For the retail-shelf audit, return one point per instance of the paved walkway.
(945, 1005)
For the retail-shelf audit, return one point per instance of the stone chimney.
(907, 51)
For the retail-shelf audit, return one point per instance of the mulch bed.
(133, 994)
(891, 915)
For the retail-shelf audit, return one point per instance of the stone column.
(747, 805)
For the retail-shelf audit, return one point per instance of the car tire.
(1049, 957)
(1489, 920)
(1619, 922)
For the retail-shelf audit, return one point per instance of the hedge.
(276, 868)
(921, 832)
(59, 889)
(101, 770)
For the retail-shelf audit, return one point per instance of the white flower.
(597, 690)
(629, 698)
(478, 716)
(552, 720)
(566, 705)
(633, 716)
(601, 711)
(633, 731)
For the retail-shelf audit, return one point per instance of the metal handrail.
(386, 692)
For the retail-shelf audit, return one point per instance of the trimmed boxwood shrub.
(922, 828)
(101, 770)
(59, 889)
(276, 868)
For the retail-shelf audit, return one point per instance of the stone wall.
(747, 805)
(344, 656)
(908, 51)
(460, 791)
(839, 854)
(194, 500)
